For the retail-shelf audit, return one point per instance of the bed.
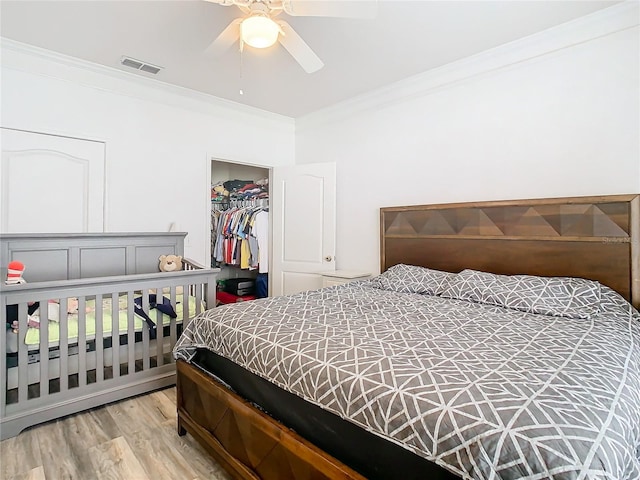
(500, 341)
(96, 321)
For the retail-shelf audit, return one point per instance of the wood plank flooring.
(134, 439)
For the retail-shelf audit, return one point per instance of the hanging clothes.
(235, 240)
(261, 232)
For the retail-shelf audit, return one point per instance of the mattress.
(483, 390)
(32, 337)
(370, 455)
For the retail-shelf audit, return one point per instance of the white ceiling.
(406, 38)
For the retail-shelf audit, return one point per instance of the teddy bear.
(170, 263)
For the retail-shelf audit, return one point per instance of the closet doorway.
(240, 240)
(301, 222)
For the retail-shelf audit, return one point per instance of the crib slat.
(99, 339)
(115, 336)
(44, 348)
(160, 331)
(82, 341)
(173, 329)
(3, 358)
(64, 347)
(146, 364)
(185, 306)
(198, 299)
(131, 334)
(23, 365)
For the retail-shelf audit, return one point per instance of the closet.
(240, 230)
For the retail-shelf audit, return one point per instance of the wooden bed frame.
(591, 237)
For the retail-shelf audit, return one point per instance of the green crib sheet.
(33, 334)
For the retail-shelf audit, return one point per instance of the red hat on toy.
(14, 273)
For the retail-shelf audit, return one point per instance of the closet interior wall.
(222, 171)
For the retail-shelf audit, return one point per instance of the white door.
(51, 184)
(303, 206)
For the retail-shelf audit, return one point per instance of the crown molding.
(31, 59)
(599, 24)
(28, 58)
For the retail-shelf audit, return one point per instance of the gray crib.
(116, 343)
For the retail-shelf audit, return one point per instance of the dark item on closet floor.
(240, 286)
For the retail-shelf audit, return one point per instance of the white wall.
(564, 122)
(553, 115)
(159, 139)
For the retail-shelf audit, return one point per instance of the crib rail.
(104, 352)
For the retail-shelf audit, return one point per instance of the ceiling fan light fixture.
(259, 31)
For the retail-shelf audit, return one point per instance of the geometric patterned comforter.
(484, 391)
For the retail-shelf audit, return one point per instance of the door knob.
(328, 258)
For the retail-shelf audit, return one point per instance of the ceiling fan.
(259, 29)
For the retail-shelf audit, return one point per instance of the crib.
(113, 339)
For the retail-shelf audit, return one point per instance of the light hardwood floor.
(134, 439)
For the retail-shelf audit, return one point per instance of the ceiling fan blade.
(299, 49)
(242, 5)
(331, 8)
(225, 3)
(228, 37)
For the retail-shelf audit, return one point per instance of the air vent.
(149, 68)
(138, 65)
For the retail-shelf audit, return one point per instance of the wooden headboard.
(590, 237)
